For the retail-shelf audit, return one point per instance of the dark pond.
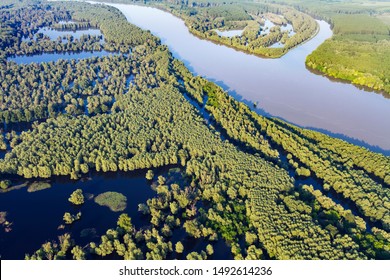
(36, 216)
(54, 34)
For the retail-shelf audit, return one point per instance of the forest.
(203, 19)
(359, 50)
(266, 188)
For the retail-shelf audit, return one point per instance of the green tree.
(5, 184)
(149, 175)
(124, 222)
(77, 197)
(179, 248)
(69, 218)
(161, 180)
(78, 253)
(194, 256)
(209, 249)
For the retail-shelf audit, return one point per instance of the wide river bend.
(281, 87)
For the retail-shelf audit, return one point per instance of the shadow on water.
(51, 57)
(264, 113)
(221, 249)
(346, 203)
(346, 82)
(354, 141)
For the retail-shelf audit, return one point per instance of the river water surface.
(281, 87)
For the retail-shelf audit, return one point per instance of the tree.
(179, 247)
(250, 238)
(173, 207)
(124, 222)
(84, 168)
(195, 256)
(5, 184)
(161, 180)
(166, 231)
(69, 218)
(149, 175)
(192, 228)
(77, 197)
(78, 253)
(209, 249)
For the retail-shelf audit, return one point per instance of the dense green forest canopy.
(263, 186)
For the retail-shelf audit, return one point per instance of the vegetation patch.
(149, 175)
(4, 184)
(362, 63)
(88, 232)
(38, 186)
(359, 24)
(4, 222)
(70, 219)
(113, 200)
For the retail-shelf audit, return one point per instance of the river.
(282, 87)
(54, 56)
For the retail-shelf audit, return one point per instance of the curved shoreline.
(218, 42)
(314, 71)
(282, 88)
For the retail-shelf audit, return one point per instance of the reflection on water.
(54, 34)
(281, 87)
(38, 215)
(48, 57)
